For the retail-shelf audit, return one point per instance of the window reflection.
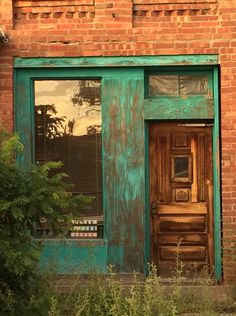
(181, 167)
(193, 85)
(68, 129)
(163, 85)
(178, 85)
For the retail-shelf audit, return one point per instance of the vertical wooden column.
(124, 175)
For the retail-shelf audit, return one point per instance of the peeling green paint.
(123, 138)
(169, 108)
(125, 112)
(147, 253)
(216, 175)
(23, 115)
(126, 61)
(71, 256)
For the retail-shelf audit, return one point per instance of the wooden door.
(181, 196)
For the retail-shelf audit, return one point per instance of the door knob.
(154, 208)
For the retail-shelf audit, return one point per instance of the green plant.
(54, 309)
(27, 196)
(107, 296)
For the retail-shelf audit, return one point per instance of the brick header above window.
(53, 9)
(152, 9)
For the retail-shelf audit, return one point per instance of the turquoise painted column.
(124, 173)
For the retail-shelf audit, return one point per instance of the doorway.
(181, 196)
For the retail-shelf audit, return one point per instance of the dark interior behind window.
(68, 129)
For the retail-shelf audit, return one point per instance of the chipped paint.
(124, 174)
(67, 257)
(169, 108)
(216, 175)
(124, 110)
(126, 61)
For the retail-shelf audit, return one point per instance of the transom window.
(177, 85)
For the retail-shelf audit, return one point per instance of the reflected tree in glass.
(88, 92)
(68, 129)
(47, 123)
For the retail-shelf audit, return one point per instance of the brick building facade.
(128, 28)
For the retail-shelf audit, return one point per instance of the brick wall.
(59, 28)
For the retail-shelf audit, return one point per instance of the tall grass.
(150, 297)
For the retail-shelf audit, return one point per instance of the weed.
(107, 296)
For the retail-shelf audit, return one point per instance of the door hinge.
(196, 124)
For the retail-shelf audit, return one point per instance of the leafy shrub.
(27, 196)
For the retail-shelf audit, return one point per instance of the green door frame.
(167, 109)
(26, 68)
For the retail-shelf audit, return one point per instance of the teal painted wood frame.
(147, 252)
(126, 61)
(119, 72)
(196, 108)
(73, 256)
(123, 200)
(216, 175)
(181, 109)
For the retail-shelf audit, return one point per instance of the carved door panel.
(181, 209)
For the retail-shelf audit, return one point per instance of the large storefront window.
(67, 116)
(68, 129)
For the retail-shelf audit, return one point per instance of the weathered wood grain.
(133, 61)
(181, 229)
(124, 176)
(167, 108)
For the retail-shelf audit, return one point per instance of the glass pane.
(193, 85)
(163, 85)
(181, 167)
(68, 129)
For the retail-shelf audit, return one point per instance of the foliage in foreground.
(27, 196)
(150, 297)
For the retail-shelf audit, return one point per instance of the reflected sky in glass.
(60, 93)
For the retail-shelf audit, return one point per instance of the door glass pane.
(163, 85)
(193, 85)
(181, 167)
(68, 129)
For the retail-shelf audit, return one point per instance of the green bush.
(27, 196)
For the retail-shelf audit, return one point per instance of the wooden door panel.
(181, 195)
(180, 140)
(192, 253)
(162, 170)
(191, 268)
(182, 208)
(183, 238)
(182, 224)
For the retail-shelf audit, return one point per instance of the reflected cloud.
(77, 101)
(47, 88)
